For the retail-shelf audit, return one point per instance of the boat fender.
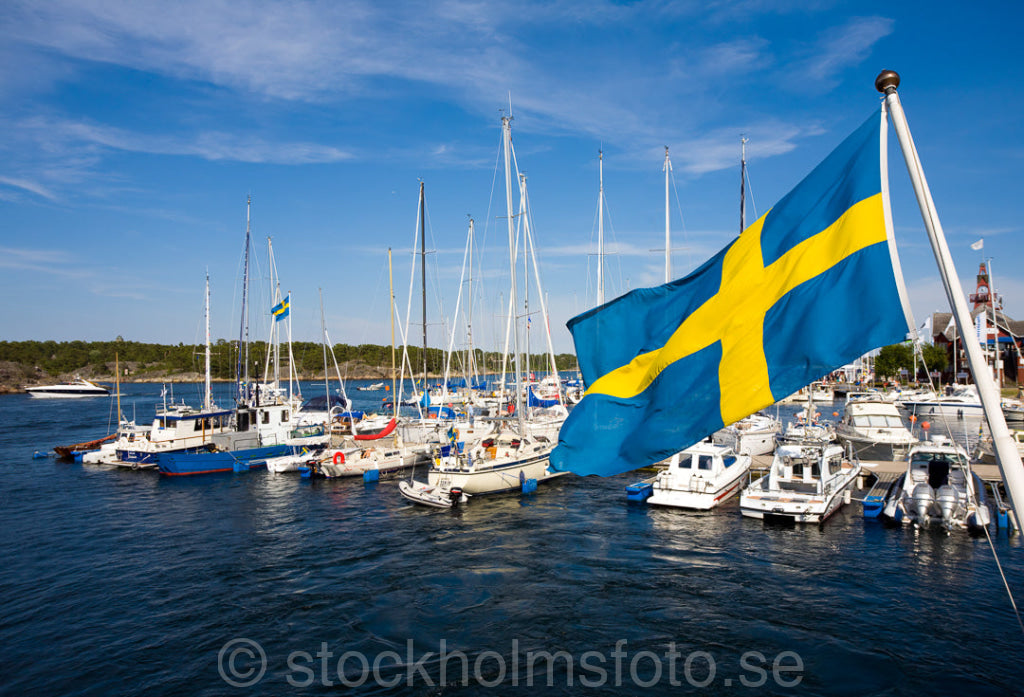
(339, 458)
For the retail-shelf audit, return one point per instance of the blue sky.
(133, 132)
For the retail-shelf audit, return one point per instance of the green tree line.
(56, 358)
(891, 359)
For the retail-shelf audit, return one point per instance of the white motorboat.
(806, 484)
(292, 462)
(962, 404)
(701, 476)
(79, 387)
(753, 435)
(874, 430)
(371, 388)
(986, 451)
(357, 460)
(938, 488)
(819, 392)
(1013, 412)
(432, 496)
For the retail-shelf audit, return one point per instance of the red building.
(1001, 337)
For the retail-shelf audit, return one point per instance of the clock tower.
(982, 295)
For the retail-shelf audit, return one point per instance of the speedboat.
(753, 435)
(874, 430)
(938, 488)
(701, 476)
(961, 404)
(79, 387)
(371, 388)
(806, 484)
(986, 450)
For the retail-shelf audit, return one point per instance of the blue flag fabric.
(280, 311)
(806, 289)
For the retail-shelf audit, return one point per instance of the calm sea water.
(122, 582)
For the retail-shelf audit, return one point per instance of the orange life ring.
(339, 458)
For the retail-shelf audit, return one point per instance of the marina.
(158, 574)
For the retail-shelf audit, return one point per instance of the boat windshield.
(704, 462)
(684, 461)
(927, 459)
(878, 421)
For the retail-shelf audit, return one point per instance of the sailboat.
(261, 428)
(374, 454)
(177, 428)
(516, 457)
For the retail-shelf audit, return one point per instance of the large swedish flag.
(806, 289)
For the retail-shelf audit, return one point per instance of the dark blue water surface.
(125, 582)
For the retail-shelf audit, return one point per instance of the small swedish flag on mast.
(280, 311)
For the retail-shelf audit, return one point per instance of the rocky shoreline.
(14, 378)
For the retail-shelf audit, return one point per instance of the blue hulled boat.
(181, 463)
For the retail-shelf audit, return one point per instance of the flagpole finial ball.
(887, 80)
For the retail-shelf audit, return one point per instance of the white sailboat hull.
(494, 478)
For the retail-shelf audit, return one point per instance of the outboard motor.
(947, 500)
(455, 496)
(922, 497)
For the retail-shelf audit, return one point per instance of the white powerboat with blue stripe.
(79, 387)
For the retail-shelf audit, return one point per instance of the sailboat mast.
(423, 280)
(391, 294)
(600, 229)
(668, 236)
(525, 226)
(506, 128)
(117, 380)
(275, 333)
(471, 361)
(242, 372)
(743, 184)
(323, 343)
(207, 394)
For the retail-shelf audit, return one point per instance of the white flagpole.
(1007, 457)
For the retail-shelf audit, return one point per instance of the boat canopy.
(320, 403)
(535, 401)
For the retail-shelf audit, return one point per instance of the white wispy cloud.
(46, 261)
(208, 145)
(470, 54)
(842, 47)
(30, 186)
